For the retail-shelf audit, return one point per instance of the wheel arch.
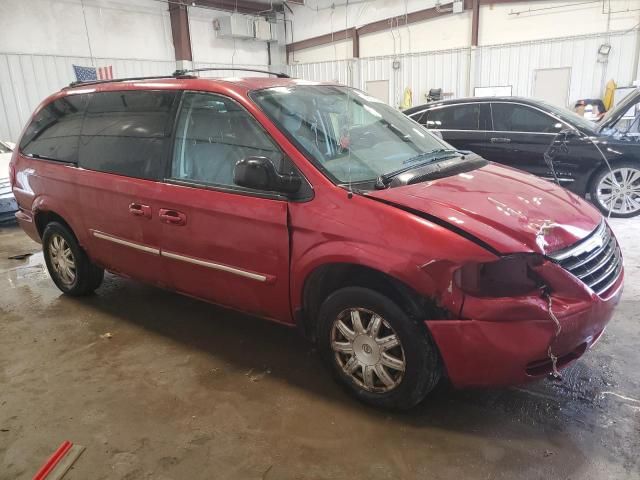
(46, 209)
(44, 217)
(330, 277)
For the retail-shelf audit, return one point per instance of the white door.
(552, 85)
(378, 89)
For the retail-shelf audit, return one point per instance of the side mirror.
(259, 173)
(437, 133)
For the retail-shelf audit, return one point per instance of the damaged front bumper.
(505, 341)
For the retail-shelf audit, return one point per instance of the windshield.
(623, 115)
(351, 136)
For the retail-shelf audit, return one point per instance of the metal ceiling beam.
(397, 21)
(337, 36)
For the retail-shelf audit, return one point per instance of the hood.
(509, 210)
(612, 116)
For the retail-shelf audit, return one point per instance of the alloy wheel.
(619, 191)
(368, 350)
(62, 260)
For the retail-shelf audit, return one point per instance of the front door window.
(213, 134)
(511, 117)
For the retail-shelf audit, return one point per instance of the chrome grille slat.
(596, 260)
(602, 261)
(585, 245)
(610, 283)
(592, 255)
(604, 275)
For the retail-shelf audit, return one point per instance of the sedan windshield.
(351, 136)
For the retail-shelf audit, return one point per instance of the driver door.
(222, 242)
(519, 136)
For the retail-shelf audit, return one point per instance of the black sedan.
(600, 160)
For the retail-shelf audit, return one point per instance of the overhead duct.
(249, 27)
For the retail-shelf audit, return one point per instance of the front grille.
(596, 260)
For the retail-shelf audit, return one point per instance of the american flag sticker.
(105, 73)
(88, 74)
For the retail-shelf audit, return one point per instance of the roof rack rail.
(113, 80)
(176, 74)
(195, 70)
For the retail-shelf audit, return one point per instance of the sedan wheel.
(62, 260)
(618, 191)
(368, 350)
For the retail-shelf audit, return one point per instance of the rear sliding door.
(124, 147)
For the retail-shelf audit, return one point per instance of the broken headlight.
(509, 276)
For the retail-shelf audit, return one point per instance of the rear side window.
(509, 117)
(459, 117)
(128, 133)
(55, 130)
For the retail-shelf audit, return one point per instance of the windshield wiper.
(432, 156)
(433, 153)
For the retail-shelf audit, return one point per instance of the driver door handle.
(172, 217)
(500, 140)
(140, 210)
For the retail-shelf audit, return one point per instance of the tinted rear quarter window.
(54, 131)
(459, 117)
(128, 133)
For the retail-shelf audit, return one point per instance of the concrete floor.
(186, 390)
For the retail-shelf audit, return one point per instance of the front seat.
(211, 158)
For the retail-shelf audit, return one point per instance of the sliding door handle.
(140, 210)
(500, 140)
(172, 217)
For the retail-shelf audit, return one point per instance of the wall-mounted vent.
(234, 26)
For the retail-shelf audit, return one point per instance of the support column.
(181, 37)
(355, 41)
(473, 54)
(475, 22)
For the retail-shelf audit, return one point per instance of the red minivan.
(318, 206)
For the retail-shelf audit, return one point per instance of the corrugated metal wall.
(500, 65)
(514, 64)
(340, 71)
(26, 80)
(227, 73)
(443, 69)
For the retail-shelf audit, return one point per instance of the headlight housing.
(510, 276)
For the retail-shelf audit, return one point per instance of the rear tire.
(68, 264)
(617, 190)
(375, 350)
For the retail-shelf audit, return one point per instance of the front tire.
(375, 350)
(617, 191)
(68, 264)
